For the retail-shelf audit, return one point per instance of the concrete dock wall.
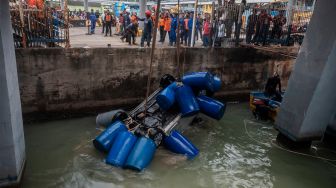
(79, 79)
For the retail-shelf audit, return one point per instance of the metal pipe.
(194, 26)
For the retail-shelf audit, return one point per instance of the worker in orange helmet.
(148, 28)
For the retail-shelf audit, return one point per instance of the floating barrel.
(166, 97)
(211, 107)
(199, 80)
(217, 83)
(121, 148)
(177, 143)
(141, 154)
(104, 141)
(186, 101)
(107, 118)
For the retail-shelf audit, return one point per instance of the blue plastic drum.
(211, 107)
(166, 97)
(121, 148)
(217, 83)
(104, 141)
(177, 143)
(186, 101)
(141, 154)
(199, 81)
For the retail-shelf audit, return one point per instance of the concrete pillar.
(143, 6)
(62, 4)
(12, 146)
(305, 110)
(86, 6)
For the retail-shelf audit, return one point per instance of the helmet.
(148, 13)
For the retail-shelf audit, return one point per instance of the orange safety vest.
(161, 22)
(108, 18)
(167, 23)
(134, 19)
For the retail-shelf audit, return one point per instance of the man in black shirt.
(270, 88)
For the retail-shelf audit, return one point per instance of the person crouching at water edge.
(148, 27)
(130, 33)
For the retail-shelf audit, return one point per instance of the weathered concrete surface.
(79, 79)
(12, 146)
(306, 107)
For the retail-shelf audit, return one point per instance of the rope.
(287, 150)
(152, 54)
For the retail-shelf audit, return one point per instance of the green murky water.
(61, 154)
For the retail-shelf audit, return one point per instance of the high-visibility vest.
(161, 22)
(108, 18)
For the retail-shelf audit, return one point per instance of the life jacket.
(108, 18)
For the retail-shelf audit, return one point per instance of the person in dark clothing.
(182, 28)
(127, 19)
(251, 24)
(271, 88)
(108, 22)
(279, 21)
(130, 33)
(148, 27)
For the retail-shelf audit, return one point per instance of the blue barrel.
(199, 80)
(141, 154)
(166, 98)
(186, 101)
(211, 107)
(121, 148)
(217, 83)
(104, 141)
(177, 143)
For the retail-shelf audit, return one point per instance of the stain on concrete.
(76, 79)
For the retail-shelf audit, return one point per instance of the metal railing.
(272, 24)
(38, 27)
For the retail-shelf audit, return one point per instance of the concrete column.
(305, 110)
(12, 146)
(86, 6)
(143, 5)
(62, 4)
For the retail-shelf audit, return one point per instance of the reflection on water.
(61, 154)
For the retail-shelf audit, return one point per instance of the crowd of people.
(169, 24)
(261, 27)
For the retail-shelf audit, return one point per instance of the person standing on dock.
(186, 30)
(206, 32)
(173, 28)
(161, 26)
(148, 27)
(103, 21)
(108, 21)
(121, 23)
(182, 28)
(93, 20)
(166, 29)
